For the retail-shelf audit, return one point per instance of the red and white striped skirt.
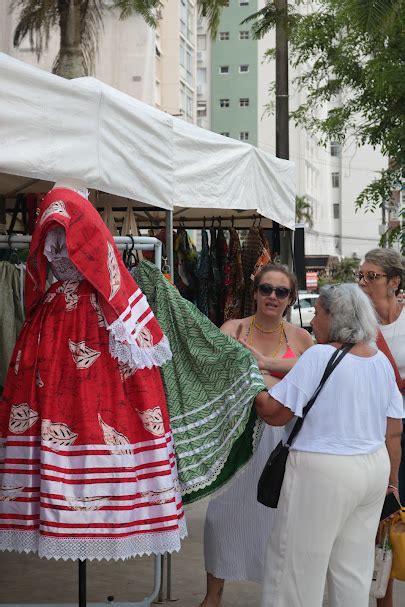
(87, 463)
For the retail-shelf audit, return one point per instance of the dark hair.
(278, 267)
(390, 261)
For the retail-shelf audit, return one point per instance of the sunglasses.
(368, 276)
(266, 289)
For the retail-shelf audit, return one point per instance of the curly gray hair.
(353, 318)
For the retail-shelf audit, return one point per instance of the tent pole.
(169, 241)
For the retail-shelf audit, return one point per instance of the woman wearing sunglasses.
(237, 526)
(381, 278)
(340, 463)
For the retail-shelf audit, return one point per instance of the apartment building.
(234, 102)
(157, 66)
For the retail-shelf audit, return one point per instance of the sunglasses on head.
(368, 276)
(267, 289)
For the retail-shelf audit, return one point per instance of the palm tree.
(303, 211)
(80, 22)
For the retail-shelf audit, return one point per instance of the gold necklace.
(280, 341)
(267, 330)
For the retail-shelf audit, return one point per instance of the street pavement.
(28, 579)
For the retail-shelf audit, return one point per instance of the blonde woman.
(381, 277)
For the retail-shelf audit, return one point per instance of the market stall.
(134, 159)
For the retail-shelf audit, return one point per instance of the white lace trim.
(197, 484)
(127, 351)
(93, 548)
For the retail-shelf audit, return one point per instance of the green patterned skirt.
(210, 386)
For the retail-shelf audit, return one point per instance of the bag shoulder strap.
(331, 366)
(384, 347)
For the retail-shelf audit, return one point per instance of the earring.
(391, 292)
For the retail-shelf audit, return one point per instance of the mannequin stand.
(82, 584)
(143, 243)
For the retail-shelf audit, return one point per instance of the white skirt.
(237, 527)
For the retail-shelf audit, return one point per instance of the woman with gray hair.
(381, 277)
(340, 463)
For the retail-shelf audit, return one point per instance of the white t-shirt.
(394, 335)
(349, 417)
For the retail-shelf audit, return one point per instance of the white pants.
(324, 529)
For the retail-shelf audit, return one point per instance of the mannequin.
(83, 409)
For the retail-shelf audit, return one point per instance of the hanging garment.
(214, 281)
(185, 263)
(233, 278)
(222, 252)
(202, 273)
(252, 249)
(210, 385)
(11, 314)
(87, 466)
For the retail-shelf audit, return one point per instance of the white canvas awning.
(52, 128)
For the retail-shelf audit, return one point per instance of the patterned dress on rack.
(87, 464)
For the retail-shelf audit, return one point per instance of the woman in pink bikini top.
(275, 343)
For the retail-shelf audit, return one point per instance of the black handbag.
(271, 479)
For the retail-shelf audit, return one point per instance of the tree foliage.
(342, 270)
(303, 211)
(349, 56)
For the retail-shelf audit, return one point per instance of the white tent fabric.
(52, 128)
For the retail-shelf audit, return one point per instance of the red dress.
(87, 464)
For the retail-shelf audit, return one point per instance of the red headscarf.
(135, 335)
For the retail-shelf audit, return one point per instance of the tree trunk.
(70, 63)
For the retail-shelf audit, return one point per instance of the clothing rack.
(138, 243)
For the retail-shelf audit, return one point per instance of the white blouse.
(394, 335)
(349, 417)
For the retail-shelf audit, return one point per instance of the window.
(243, 69)
(201, 75)
(244, 135)
(243, 2)
(183, 17)
(224, 103)
(224, 69)
(224, 35)
(189, 67)
(225, 134)
(201, 109)
(335, 180)
(336, 211)
(182, 53)
(335, 149)
(201, 42)
(244, 102)
(244, 35)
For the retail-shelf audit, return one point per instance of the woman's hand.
(263, 362)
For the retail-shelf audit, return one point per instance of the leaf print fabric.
(83, 356)
(114, 271)
(86, 450)
(22, 417)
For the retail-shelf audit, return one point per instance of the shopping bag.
(397, 540)
(271, 479)
(382, 565)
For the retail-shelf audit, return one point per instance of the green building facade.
(234, 74)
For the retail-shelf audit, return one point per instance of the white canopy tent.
(53, 129)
